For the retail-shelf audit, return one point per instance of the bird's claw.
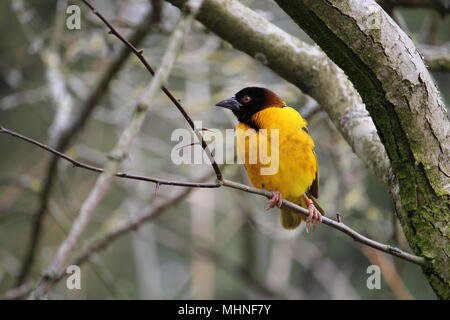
(276, 200)
(314, 217)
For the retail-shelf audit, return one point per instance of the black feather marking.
(314, 188)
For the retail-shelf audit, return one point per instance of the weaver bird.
(296, 178)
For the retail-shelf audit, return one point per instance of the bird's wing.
(314, 188)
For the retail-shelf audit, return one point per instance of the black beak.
(230, 103)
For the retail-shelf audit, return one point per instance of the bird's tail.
(290, 219)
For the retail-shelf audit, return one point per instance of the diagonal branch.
(89, 167)
(117, 155)
(67, 135)
(175, 101)
(334, 224)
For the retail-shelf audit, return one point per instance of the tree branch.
(63, 141)
(119, 152)
(334, 224)
(436, 58)
(441, 6)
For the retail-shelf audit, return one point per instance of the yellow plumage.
(277, 150)
(297, 163)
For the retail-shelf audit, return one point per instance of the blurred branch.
(181, 246)
(436, 58)
(64, 139)
(18, 292)
(98, 269)
(157, 10)
(103, 240)
(132, 224)
(51, 60)
(332, 277)
(441, 6)
(117, 155)
(23, 98)
(429, 32)
(280, 264)
(395, 14)
(389, 273)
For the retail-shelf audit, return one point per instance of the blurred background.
(208, 243)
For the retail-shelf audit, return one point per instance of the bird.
(264, 119)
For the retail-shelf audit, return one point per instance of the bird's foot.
(314, 217)
(276, 200)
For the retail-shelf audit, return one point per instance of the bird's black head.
(249, 101)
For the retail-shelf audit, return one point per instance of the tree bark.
(399, 93)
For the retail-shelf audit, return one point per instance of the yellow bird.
(273, 141)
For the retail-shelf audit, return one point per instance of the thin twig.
(175, 101)
(334, 224)
(125, 175)
(64, 140)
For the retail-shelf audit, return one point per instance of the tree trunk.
(399, 93)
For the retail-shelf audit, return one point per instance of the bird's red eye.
(246, 99)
